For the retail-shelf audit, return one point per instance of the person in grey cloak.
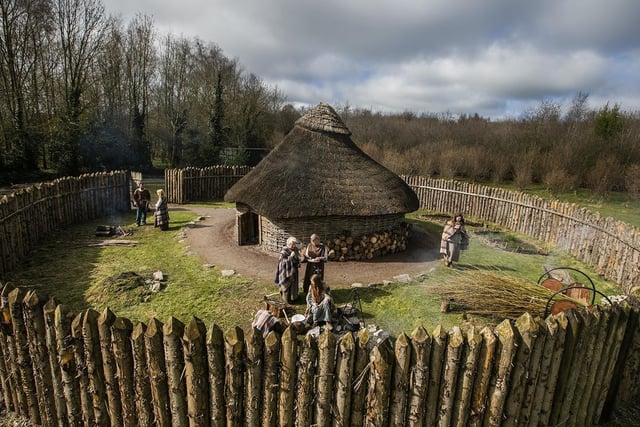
(454, 239)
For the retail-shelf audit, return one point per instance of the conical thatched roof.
(318, 171)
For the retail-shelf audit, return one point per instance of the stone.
(227, 273)
(158, 276)
(357, 285)
(402, 278)
(208, 265)
(421, 277)
(155, 287)
(375, 285)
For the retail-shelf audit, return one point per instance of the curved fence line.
(610, 246)
(32, 213)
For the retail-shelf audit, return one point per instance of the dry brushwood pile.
(368, 246)
(495, 295)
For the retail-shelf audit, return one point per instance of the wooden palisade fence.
(92, 369)
(201, 184)
(611, 247)
(30, 214)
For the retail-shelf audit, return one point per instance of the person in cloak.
(454, 239)
(287, 271)
(316, 255)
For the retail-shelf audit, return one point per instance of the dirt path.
(214, 240)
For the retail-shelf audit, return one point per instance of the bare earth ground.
(214, 240)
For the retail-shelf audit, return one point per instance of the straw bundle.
(496, 295)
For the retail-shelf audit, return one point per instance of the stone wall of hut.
(274, 232)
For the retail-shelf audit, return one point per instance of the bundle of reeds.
(496, 295)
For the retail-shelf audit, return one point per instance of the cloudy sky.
(496, 58)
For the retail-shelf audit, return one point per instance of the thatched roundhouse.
(318, 181)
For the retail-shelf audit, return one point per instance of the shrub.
(559, 181)
(632, 181)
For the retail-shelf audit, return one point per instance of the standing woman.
(316, 255)
(287, 271)
(162, 211)
(454, 239)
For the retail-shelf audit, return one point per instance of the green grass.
(403, 307)
(78, 275)
(82, 276)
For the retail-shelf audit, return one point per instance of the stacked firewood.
(367, 246)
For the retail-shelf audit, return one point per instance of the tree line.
(81, 91)
(582, 147)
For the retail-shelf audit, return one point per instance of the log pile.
(348, 248)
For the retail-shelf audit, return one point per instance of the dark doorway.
(248, 232)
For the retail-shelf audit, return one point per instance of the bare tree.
(212, 72)
(173, 94)
(112, 76)
(140, 56)
(578, 110)
(23, 31)
(82, 27)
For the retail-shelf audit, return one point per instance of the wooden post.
(544, 378)
(557, 330)
(154, 347)
(438, 349)
(234, 349)
(173, 331)
(288, 357)
(195, 354)
(324, 384)
(467, 378)
(142, 372)
(123, 363)
(532, 377)
(93, 360)
(625, 389)
(82, 377)
(420, 354)
(105, 321)
(591, 384)
(23, 358)
(8, 394)
(379, 394)
(479, 397)
(216, 360)
(498, 392)
(49, 310)
(400, 381)
(68, 367)
(11, 354)
(344, 378)
(528, 332)
(306, 384)
(361, 378)
(613, 346)
(271, 383)
(253, 378)
(450, 375)
(35, 328)
(567, 382)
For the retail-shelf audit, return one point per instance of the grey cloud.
(466, 56)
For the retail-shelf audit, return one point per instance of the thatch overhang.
(317, 171)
